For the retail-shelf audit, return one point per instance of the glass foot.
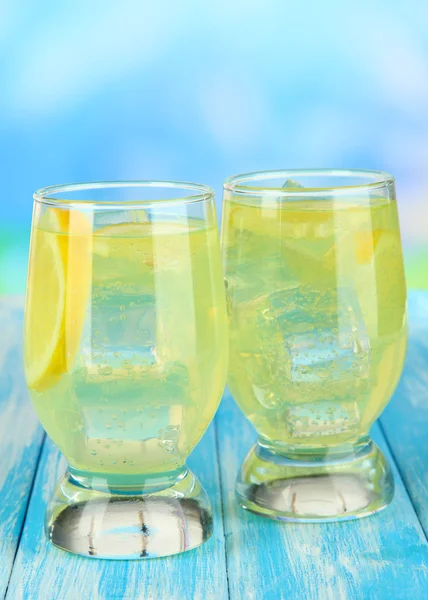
(129, 525)
(288, 489)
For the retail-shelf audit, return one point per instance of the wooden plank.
(382, 556)
(405, 420)
(20, 434)
(42, 571)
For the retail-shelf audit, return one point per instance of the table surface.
(248, 557)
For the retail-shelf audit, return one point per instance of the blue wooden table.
(384, 556)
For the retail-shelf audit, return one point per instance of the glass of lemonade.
(316, 300)
(126, 359)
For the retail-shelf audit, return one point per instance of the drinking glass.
(126, 359)
(316, 301)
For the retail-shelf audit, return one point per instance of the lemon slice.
(390, 283)
(58, 288)
(365, 245)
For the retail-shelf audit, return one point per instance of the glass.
(126, 359)
(316, 301)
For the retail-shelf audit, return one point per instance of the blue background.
(197, 90)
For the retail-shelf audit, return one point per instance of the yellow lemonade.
(125, 339)
(317, 315)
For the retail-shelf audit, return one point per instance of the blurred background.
(199, 90)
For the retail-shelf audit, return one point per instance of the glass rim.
(237, 183)
(43, 195)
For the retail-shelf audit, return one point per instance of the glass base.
(129, 524)
(315, 489)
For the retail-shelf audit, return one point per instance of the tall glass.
(317, 324)
(126, 359)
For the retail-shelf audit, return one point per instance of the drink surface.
(317, 316)
(139, 353)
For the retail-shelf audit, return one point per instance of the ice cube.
(292, 184)
(321, 419)
(256, 351)
(322, 356)
(324, 333)
(121, 217)
(306, 350)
